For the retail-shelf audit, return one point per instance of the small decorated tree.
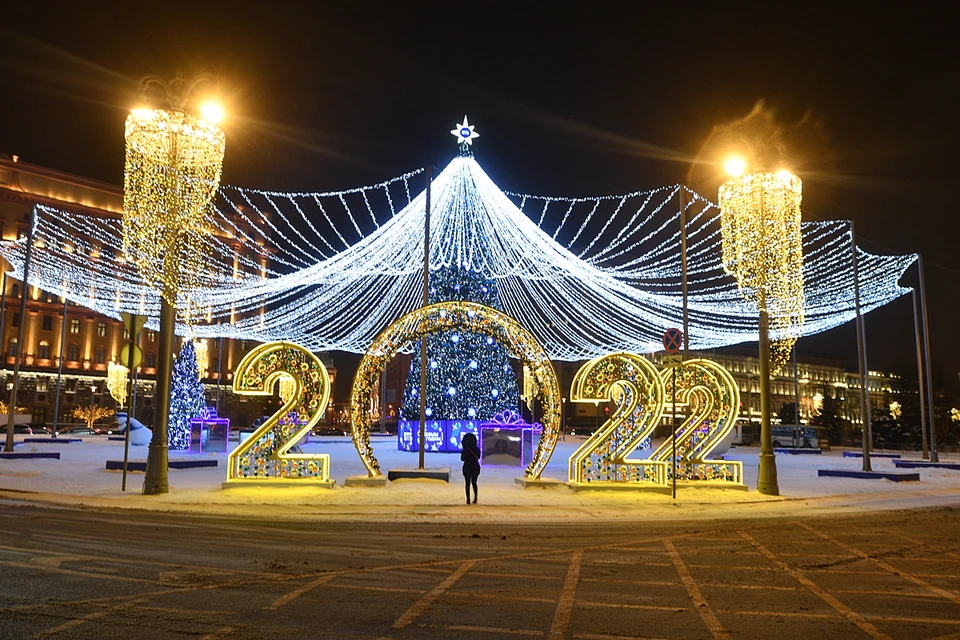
(91, 413)
(186, 397)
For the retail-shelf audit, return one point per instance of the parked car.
(82, 431)
(328, 430)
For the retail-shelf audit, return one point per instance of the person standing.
(471, 464)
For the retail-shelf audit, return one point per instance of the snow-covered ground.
(79, 478)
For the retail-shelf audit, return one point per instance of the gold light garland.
(762, 248)
(117, 382)
(467, 316)
(173, 163)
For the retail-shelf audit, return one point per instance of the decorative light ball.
(472, 412)
(489, 340)
(455, 338)
(473, 364)
(494, 393)
(429, 411)
(433, 364)
(451, 391)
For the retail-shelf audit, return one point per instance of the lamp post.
(762, 249)
(173, 164)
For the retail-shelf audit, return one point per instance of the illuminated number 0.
(264, 456)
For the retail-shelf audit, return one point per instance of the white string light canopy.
(587, 276)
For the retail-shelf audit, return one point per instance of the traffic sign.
(672, 340)
(133, 323)
(672, 361)
(125, 355)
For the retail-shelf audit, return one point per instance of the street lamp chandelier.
(173, 165)
(762, 248)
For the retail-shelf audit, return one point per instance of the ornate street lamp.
(173, 164)
(762, 249)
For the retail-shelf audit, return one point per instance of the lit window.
(12, 348)
(101, 329)
(43, 352)
(74, 326)
(152, 336)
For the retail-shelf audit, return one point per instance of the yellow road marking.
(421, 605)
(849, 613)
(700, 603)
(952, 597)
(561, 619)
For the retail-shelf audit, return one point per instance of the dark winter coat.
(471, 460)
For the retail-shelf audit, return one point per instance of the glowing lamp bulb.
(735, 166)
(212, 112)
(784, 176)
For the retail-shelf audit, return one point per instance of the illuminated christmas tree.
(469, 375)
(186, 397)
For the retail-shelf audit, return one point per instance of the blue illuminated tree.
(469, 375)
(186, 397)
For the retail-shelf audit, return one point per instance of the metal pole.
(134, 340)
(63, 338)
(674, 437)
(796, 400)
(383, 399)
(767, 474)
(155, 479)
(426, 301)
(923, 409)
(860, 349)
(23, 321)
(683, 274)
(926, 345)
(866, 380)
(219, 372)
(3, 308)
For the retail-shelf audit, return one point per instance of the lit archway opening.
(464, 316)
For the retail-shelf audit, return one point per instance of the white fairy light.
(605, 278)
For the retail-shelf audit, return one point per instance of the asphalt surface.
(73, 573)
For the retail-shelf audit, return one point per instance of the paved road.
(89, 574)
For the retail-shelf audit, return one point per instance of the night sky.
(576, 99)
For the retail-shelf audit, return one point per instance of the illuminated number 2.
(636, 387)
(712, 393)
(264, 455)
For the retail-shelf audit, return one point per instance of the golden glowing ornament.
(117, 382)
(201, 350)
(465, 316)
(762, 248)
(173, 163)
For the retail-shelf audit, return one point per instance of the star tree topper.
(465, 132)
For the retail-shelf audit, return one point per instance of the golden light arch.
(466, 316)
